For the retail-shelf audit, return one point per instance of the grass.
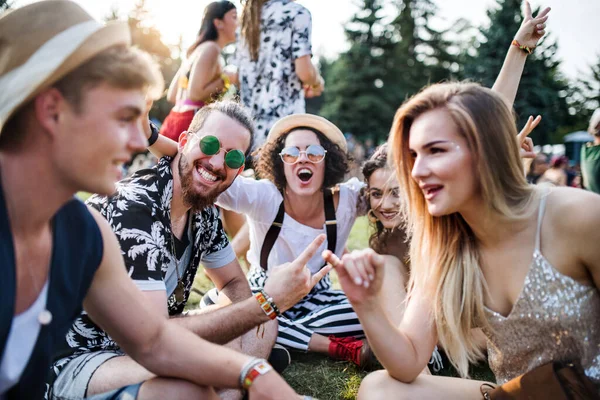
(318, 376)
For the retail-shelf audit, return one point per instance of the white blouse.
(260, 201)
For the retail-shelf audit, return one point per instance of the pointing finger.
(310, 251)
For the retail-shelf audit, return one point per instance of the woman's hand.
(360, 274)
(532, 29)
(525, 142)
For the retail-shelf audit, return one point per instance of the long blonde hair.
(251, 26)
(444, 250)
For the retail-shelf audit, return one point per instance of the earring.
(371, 216)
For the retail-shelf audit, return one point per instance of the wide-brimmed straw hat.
(42, 42)
(327, 128)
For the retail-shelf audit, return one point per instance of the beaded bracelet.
(266, 306)
(524, 48)
(270, 300)
(252, 370)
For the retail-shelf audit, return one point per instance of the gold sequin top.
(555, 318)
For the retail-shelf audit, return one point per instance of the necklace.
(179, 289)
(45, 316)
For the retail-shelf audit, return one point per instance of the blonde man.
(72, 93)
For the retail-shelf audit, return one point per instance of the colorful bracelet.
(252, 370)
(266, 305)
(526, 49)
(270, 300)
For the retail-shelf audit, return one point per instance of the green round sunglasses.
(210, 145)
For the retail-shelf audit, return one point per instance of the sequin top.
(555, 318)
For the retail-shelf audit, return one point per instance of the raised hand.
(289, 283)
(532, 29)
(525, 142)
(360, 273)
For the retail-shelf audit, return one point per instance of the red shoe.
(351, 349)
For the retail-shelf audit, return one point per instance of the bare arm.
(306, 71)
(205, 79)
(287, 285)
(231, 281)
(403, 350)
(115, 303)
(172, 91)
(529, 34)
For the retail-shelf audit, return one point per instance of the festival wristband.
(524, 48)
(252, 370)
(271, 302)
(266, 305)
(153, 134)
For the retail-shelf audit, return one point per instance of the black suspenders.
(273, 232)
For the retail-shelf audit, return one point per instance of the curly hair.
(384, 240)
(270, 165)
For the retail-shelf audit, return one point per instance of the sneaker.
(210, 298)
(279, 358)
(351, 349)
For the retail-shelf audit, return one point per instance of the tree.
(357, 100)
(145, 36)
(5, 5)
(543, 90)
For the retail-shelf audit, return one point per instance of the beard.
(197, 201)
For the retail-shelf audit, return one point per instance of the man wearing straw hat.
(72, 93)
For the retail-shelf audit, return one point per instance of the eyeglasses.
(210, 145)
(314, 153)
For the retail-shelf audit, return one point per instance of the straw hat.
(42, 42)
(285, 124)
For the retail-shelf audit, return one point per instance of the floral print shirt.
(139, 213)
(270, 87)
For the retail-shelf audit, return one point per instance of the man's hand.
(532, 29)
(360, 274)
(271, 386)
(289, 283)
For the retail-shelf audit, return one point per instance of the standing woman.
(273, 56)
(200, 79)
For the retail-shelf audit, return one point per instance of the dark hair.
(208, 31)
(230, 108)
(383, 240)
(270, 166)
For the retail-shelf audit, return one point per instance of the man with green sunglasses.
(167, 225)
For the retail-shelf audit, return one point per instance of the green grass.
(316, 375)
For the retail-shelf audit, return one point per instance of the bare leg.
(165, 388)
(257, 343)
(123, 371)
(380, 385)
(319, 344)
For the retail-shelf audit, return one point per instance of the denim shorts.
(73, 381)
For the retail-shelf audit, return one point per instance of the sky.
(573, 23)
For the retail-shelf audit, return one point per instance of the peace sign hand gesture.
(532, 29)
(525, 142)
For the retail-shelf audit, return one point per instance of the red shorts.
(175, 123)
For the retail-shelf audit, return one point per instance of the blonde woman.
(487, 250)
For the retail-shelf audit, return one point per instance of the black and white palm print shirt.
(270, 87)
(139, 213)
